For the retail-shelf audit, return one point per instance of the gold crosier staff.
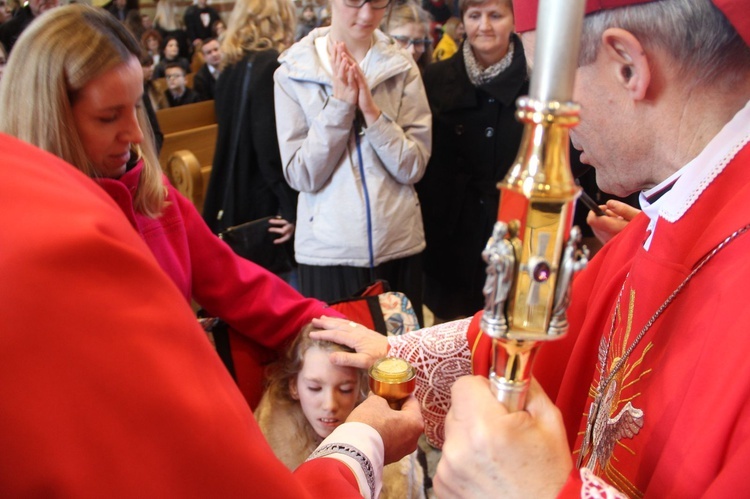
(533, 251)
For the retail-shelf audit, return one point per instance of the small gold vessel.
(394, 379)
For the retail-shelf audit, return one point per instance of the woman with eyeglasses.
(472, 96)
(409, 26)
(353, 124)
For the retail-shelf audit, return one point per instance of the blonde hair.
(167, 15)
(56, 57)
(257, 25)
(406, 13)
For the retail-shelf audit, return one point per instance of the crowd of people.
(376, 162)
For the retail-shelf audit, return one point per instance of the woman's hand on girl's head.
(343, 74)
(369, 345)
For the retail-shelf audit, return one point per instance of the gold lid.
(392, 370)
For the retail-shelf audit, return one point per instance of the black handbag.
(251, 240)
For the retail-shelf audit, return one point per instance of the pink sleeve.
(441, 355)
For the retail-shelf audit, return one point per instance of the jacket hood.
(387, 59)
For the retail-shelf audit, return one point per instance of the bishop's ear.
(629, 61)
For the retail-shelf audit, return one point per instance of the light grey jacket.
(319, 155)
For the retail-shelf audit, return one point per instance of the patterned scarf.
(479, 76)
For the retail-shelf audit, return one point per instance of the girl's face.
(488, 28)
(355, 24)
(171, 49)
(412, 37)
(105, 113)
(327, 393)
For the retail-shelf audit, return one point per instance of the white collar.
(692, 179)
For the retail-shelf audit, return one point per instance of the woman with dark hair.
(472, 96)
(170, 54)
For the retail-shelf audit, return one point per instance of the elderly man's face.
(608, 134)
(39, 6)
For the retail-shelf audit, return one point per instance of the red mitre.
(525, 12)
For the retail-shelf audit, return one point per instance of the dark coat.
(120, 15)
(11, 29)
(475, 141)
(259, 188)
(204, 83)
(194, 27)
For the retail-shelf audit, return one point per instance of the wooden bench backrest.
(189, 116)
(201, 141)
(187, 153)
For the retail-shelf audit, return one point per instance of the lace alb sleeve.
(596, 488)
(441, 354)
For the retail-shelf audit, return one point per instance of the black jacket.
(259, 188)
(194, 26)
(188, 97)
(475, 141)
(11, 29)
(204, 83)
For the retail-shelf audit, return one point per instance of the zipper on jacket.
(359, 130)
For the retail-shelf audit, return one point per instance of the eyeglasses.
(406, 42)
(375, 4)
(174, 76)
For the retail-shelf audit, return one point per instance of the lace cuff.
(353, 452)
(596, 488)
(441, 355)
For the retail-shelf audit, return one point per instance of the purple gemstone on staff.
(541, 272)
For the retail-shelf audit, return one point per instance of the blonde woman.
(81, 101)
(247, 149)
(354, 131)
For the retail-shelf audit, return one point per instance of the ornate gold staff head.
(533, 252)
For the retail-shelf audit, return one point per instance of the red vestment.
(676, 419)
(108, 387)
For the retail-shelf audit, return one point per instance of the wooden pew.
(181, 118)
(189, 142)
